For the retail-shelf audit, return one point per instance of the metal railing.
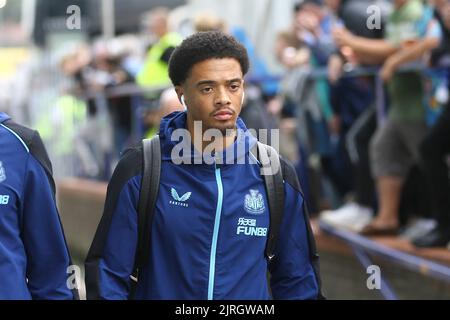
(363, 246)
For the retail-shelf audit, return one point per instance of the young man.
(34, 259)
(200, 244)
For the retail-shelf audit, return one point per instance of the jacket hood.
(176, 144)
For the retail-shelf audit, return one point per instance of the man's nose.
(222, 98)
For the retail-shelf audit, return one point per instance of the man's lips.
(223, 115)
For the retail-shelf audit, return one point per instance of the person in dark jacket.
(435, 148)
(34, 259)
(211, 220)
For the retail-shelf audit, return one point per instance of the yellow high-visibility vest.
(156, 72)
(60, 123)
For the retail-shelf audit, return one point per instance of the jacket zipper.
(212, 261)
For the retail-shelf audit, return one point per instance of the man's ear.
(179, 90)
(180, 93)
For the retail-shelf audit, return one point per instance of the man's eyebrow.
(234, 80)
(212, 82)
(203, 82)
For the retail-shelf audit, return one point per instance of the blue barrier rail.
(362, 246)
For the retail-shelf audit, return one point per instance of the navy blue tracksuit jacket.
(33, 254)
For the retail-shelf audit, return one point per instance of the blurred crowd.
(381, 140)
(363, 111)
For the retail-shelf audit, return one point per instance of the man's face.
(158, 25)
(213, 93)
(308, 17)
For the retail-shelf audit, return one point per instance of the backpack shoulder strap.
(273, 180)
(147, 200)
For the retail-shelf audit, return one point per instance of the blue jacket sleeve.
(292, 272)
(110, 260)
(47, 253)
(117, 260)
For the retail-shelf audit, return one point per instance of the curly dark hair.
(202, 46)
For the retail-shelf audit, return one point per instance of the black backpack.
(149, 193)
